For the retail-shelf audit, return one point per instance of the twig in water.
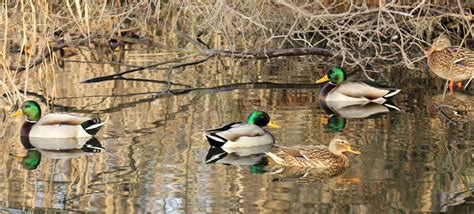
(118, 75)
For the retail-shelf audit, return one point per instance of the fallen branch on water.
(210, 53)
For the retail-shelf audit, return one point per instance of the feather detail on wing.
(61, 119)
(241, 130)
(224, 127)
(461, 56)
(308, 156)
(363, 90)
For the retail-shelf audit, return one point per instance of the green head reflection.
(259, 168)
(336, 123)
(31, 160)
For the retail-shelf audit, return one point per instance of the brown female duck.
(319, 156)
(448, 62)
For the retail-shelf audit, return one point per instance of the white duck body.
(364, 93)
(60, 125)
(42, 143)
(237, 135)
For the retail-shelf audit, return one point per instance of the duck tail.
(92, 146)
(92, 126)
(391, 93)
(215, 140)
(215, 154)
(275, 158)
(391, 106)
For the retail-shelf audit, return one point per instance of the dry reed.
(360, 32)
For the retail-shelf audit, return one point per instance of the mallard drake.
(451, 63)
(55, 125)
(243, 134)
(355, 92)
(319, 156)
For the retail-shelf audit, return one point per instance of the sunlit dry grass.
(36, 34)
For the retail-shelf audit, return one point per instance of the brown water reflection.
(154, 158)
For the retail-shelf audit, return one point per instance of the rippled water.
(418, 159)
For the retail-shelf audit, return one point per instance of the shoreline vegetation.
(44, 35)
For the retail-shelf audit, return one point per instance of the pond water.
(154, 156)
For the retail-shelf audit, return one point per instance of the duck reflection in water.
(304, 163)
(56, 148)
(454, 110)
(247, 156)
(336, 121)
(342, 110)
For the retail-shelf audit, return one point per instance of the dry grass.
(361, 32)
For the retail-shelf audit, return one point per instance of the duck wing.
(233, 132)
(370, 91)
(309, 156)
(462, 57)
(224, 127)
(61, 119)
(294, 152)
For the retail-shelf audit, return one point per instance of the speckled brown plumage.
(309, 157)
(317, 157)
(304, 175)
(447, 62)
(456, 109)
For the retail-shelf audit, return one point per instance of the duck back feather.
(63, 125)
(238, 135)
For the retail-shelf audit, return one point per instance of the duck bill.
(17, 113)
(324, 120)
(273, 125)
(18, 158)
(353, 151)
(323, 79)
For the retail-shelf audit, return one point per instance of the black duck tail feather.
(223, 128)
(390, 105)
(92, 146)
(215, 140)
(391, 93)
(215, 154)
(92, 126)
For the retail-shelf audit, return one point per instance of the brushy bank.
(39, 34)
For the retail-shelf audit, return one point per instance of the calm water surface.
(155, 152)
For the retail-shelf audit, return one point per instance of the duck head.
(335, 75)
(440, 43)
(261, 119)
(31, 160)
(31, 109)
(339, 145)
(335, 123)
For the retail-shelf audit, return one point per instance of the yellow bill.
(324, 120)
(18, 158)
(273, 125)
(17, 113)
(323, 79)
(353, 151)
